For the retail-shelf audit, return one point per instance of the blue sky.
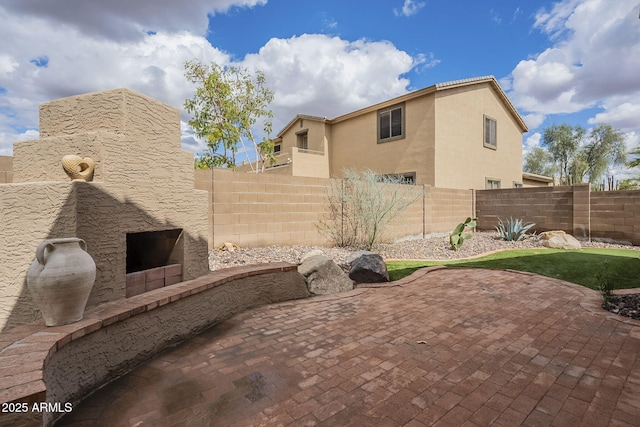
(566, 61)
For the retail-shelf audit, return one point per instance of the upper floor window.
(391, 123)
(277, 148)
(490, 132)
(302, 140)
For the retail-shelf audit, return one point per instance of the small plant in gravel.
(513, 230)
(605, 286)
(457, 238)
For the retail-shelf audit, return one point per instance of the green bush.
(513, 230)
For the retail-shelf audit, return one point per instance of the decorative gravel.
(435, 247)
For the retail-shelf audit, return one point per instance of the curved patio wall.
(62, 364)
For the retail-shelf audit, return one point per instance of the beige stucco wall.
(6, 169)
(354, 143)
(143, 182)
(316, 133)
(29, 214)
(462, 160)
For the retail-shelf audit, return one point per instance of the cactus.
(458, 236)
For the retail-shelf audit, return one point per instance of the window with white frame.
(303, 140)
(492, 184)
(391, 123)
(490, 132)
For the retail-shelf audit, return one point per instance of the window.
(303, 140)
(391, 124)
(492, 184)
(408, 178)
(490, 133)
(517, 184)
(277, 148)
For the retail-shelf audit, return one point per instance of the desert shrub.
(513, 230)
(361, 205)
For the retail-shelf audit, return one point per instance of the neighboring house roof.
(418, 93)
(300, 116)
(536, 177)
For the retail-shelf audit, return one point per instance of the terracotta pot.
(60, 279)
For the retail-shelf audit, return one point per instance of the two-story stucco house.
(460, 134)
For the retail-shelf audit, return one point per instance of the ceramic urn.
(60, 280)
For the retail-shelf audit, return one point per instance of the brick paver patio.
(450, 347)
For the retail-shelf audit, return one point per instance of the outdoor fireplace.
(143, 222)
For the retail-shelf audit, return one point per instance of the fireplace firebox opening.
(151, 249)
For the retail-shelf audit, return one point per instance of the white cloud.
(152, 65)
(410, 7)
(533, 120)
(593, 61)
(124, 20)
(328, 76)
(311, 74)
(532, 141)
(622, 116)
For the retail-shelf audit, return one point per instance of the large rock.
(367, 267)
(323, 276)
(558, 239)
(310, 254)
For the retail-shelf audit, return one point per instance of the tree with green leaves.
(540, 162)
(579, 156)
(563, 143)
(634, 162)
(227, 103)
(605, 147)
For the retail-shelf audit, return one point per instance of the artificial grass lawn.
(582, 266)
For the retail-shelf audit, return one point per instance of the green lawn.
(582, 266)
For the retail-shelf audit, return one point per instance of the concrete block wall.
(410, 222)
(550, 208)
(257, 210)
(445, 208)
(574, 209)
(6, 169)
(251, 209)
(616, 215)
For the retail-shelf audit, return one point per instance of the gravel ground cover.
(434, 247)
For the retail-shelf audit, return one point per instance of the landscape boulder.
(323, 276)
(367, 267)
(559, 240)
(310, 254)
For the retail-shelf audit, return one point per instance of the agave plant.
(514, 229)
